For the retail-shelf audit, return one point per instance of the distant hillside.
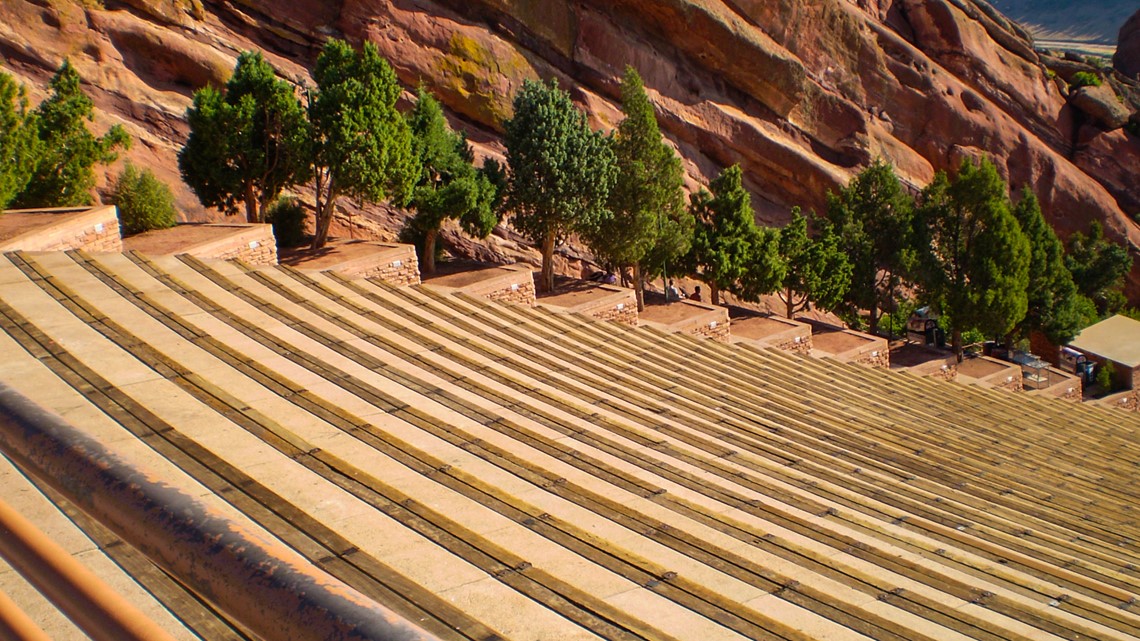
(1077, 19)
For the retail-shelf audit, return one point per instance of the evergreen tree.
(449, 186)
(361, 145)
(818, 272)
(561, 172)
(144, 202)
(975, 270)
(247, 143)
(1053, 308)
(19, 140)
(725, 232)
(873, 217)
(765, 269)
(647, 226)
(64, 174)
(1098, 266)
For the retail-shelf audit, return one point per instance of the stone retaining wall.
(255, 245)
(617, 304)
(800, 345)
(515, 285)
(93, 230)
(392, 263)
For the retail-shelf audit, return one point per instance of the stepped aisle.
(490, 471)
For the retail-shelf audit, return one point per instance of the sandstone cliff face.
(801, 93)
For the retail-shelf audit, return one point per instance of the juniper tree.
(64, 171)
(449, 186)
(561, 172)
(647, 225)
(361, 145)
(19, 140)
(248, 142)
(975, 269)
(818, 272)
(873, 216)
(725, 231)
(1052, 304)
(1098, 266)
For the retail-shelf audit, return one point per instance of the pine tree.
(361, 145)
(873, 217)
(561, 172)
(449, 186)
(722, 246)
(1052, 308)
(647, 226)
(19, 140)
(818, 272)
(248, 143)
(976, 268)
(1098, 266)
(64, 174)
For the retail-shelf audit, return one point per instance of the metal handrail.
(16, 625)
(89, 602)
(266, 586)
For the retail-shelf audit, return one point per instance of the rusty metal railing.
(89, 602)
(270, 589)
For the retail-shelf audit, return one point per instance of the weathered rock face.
(1127, 57)
(1102, 105)
(802, 94)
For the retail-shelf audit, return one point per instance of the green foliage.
(873, 217)
(287, 216)
(561, 171)
(646, 226)
(765, 269)
(144, 202)
(722, 247)
(975, 269)
(1105, 376)
(64, 172)
(362, 146)
(1052, 305)
(19, 140)
(1085, 79)
(247, 143)
(1098, 266)
(818, 271)
(449, 186)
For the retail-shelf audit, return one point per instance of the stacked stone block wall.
(880, 356)
(802, 347)
(620, 307)
(517, 293)
(96, 230)
(946, 373)
(261, 250)
(1015, 385)
(716, 330)
(399, 267)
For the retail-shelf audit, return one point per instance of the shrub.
(144, 201)
(1104, 376)
(288, 219)
(1085, 79)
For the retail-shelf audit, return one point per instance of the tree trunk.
(252, 215)
(714, 293)
(429, 251)
(638, 287)
(324, 211)
(874, 320)
(546, 277)
(956, 342)
(789, 301)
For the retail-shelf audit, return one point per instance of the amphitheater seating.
(493, 471)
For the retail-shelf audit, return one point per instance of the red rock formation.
(1127, 57)
(801, 93)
